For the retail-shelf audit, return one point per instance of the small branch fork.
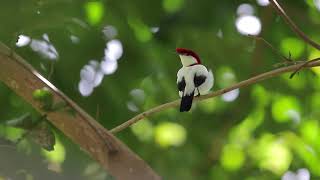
(295, 68)
(250, 81)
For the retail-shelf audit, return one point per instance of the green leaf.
(45, 96)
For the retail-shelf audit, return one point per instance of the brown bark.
(81, 128)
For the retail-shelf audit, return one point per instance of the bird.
(193, 79)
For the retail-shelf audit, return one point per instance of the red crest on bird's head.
(188, 52)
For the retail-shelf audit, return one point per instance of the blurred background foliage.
(116, 59)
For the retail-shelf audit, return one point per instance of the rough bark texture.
(81, 128)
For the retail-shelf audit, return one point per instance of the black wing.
(198, 80)
(181, 84)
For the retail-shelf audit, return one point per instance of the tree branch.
(250, 81)
(111, 153)
(293, 26)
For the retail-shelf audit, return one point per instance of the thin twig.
(51, 70)
(259, 38)
(304, 64)
(293, 26)
(250, 81)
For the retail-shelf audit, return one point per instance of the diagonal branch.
(292, 25)
(250, 81)
(110, 152)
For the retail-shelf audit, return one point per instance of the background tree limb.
(292, 25)
(250, 81)
(111, 153)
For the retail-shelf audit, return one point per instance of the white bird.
(193, 79)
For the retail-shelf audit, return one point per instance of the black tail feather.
(186, 102)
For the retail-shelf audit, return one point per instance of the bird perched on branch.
(193, 79)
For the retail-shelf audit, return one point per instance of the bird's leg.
(198, 92)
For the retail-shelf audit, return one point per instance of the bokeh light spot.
(170, 134)
(285, 108)
(58, 155)
(23, 40)
(232, 157)
(171, 6)
(293, 46)
(141, 31)
(263, 2)
(94, 12)
(248, 24)
(245, 9)
(231, 96)
(143, 130)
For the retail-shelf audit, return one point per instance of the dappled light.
(226, 77)
(94, 11)
(74, 39)
(248, 24)
(231, 96)
(245, 9)
(301, 174)
(113, 51)
(93, 73)
(315, 54)
(91, 77)
(232, 157)
(110, 32)
(317, 4)
(172, 6)
(137, 100)
(141, 31)
(56, 157)
(286, 109)
(263, 2)
(170, 134)
(208, 106)
(94, 171)
(43, 47)
(271, 154)
(143, 130)
(23, 40)
(294, 46)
